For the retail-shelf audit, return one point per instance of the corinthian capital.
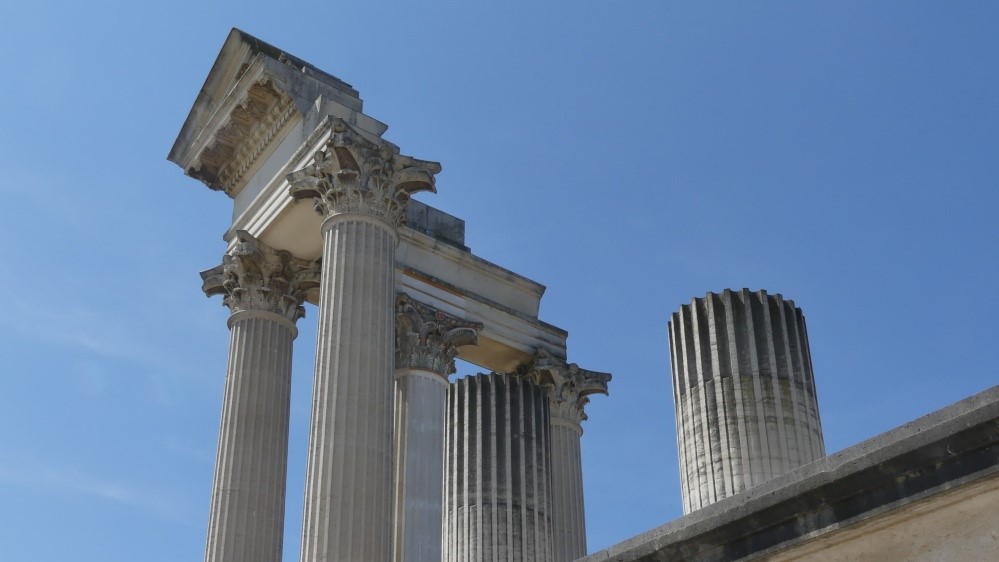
(254, 276)
(355, 175)
(569, 387)
(428, 339)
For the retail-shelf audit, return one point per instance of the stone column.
(264, 289)
(427, 341)
(568, 388)
(361, 187)
(497, 485)
(744, 393)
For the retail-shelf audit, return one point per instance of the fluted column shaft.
(420, 398)
(746, 409)
(427, 341)
(246, 520)
(568, 388)
(498, 474)
(568, 515)
(361, 185)
(264, 289)
(348, 494)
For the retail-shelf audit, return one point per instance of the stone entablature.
(240, 137)
(236, 146)
(253, 90)
(428, 339)
(355, 175)
(254, 276)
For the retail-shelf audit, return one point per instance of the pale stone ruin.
(744, 393)
(405, 466)
(322, 212)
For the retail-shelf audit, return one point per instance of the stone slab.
(953, 448)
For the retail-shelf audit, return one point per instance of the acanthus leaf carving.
(355, 175)
(569, 386)
(254, 276)
(428, 339)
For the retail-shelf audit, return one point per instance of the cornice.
(248, 129)
(217, 120)
(478, 264)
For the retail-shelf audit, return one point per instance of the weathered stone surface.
(251, 127)
(427, 341)
(354, 175)
(507, 304)
(436, 224)
(911, 493)
(264, 290)
(361, 187)
(497, 477)
(568, 388)
(744, 392)
(254, 276)
(252, 95)
(348, 493)
(246, 519)
(419, 465)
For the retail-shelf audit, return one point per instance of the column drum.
(497, 494)
(744, 393)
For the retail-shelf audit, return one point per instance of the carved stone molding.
(355, 175)
(237, 146)
(568, 386)
(254, 276)
(428, 339)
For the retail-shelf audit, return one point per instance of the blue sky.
(628, 155)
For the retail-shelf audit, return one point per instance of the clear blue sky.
(628, 155)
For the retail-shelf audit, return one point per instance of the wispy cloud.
(174, 445)
(109, 335)
(37, 475)
(78, 327)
